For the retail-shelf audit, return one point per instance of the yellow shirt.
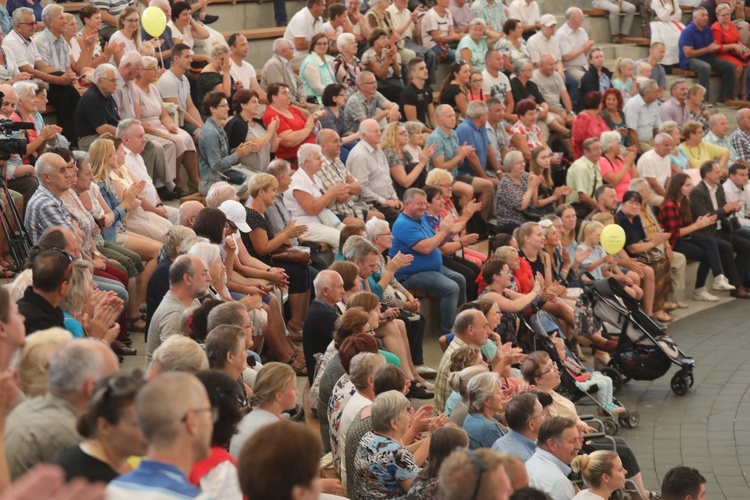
(702, 153)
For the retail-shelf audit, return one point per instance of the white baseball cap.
(548, 20)
(235, 213)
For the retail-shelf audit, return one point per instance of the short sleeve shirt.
(496, 86)
(113, 7)
(533, 134)
(447, 147)
(652, 165)
(357, 108)
(432, 21)
(570, 40)
(245, 73)
(538, 45)
(95, 110)
(493, 14)
(691, 36)
(549, 86)
(509, 197)
(381, 464)
(420, 99)
(24, 51)
(170, 86)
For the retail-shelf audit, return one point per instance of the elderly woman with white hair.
(616, 170)
(211, 257)
(515, 193)
(346, 65)
(383, 465)
(485, 400)
(26, 109)
(308, 200)
(475, 44)
(32, 362)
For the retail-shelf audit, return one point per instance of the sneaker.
(722, 284)
(702, 295)
(426, 371)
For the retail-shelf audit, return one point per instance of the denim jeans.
(451, 53)
(448, 285)
(724, 68)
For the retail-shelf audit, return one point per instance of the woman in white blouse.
(8, 68)
(91, 17)
(186, 30)
(666, 28)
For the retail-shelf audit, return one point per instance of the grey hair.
(458, 381)
(637, 184)
(480, 389)
(477, 20)
(50, 11)
(101, 72)
(465, 319)
(44, 164)
(669, 126)
(358, 248)
(571, 12)
(520, 64)
(179, 354)
(362, 75)
(80, 157)
(661, 137)
(698, 9)
(131, 58)
(228, 313)
(307, 152)
(647, 85)
(365, 126)
(440, 108)
(476, 109)
(125, 125)
(343, 39)
(376, 226)
(363, 366)
(387, 406)
(207, 252)
(181, 266)
(411, 193)
(510, 158)
(150, 62)
(174, 237)
(278, 167)
(73, 365)
(157, 3)
(711, 121)
(413, 128)
(676, 83)
(25, 89)
(220, 192)
(324, 279)
(277, 44)
(609, 139)
(190, 240)
(19, 12)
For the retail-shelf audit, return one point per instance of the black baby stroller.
(644, 352)
(545, 326)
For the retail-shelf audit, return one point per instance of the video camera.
(10, 145)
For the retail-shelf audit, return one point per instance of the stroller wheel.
(690, 380)
(610, 427)
(679, 384)
(630, 419)
(616, 377)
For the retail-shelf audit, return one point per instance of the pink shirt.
(606, 167)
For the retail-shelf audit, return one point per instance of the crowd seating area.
(293, 202)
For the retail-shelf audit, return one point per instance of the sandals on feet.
(301, 371)
(136, 324)
(418, 391)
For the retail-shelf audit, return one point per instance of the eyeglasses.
(481, 466)
(389, 235)
(551, 368)
(321, 44)
(213, 412)
(541, 415)
(32, 23)
(505, 273)
(69, 269)
(130, 20)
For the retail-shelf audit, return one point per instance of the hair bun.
(580, 463)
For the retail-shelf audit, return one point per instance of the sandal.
(136, 324)
(301, 371)
(418, 391)
(663, 317)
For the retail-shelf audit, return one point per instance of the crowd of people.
(328, 195)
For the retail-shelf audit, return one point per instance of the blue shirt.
(36, 7)
(549, 474)
(447, 147)
(482, 431)
(72, 325)
(407, 232)
(695, 38)
(515, 444)
(473, 136)
(152, 480)
(5, 23)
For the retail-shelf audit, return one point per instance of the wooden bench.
(595, 13)
(688, 73)
(641, 42)
(74, 7)
(258, 33)
(193, 197)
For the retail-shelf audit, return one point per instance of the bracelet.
(98, 340)
(268, 270)
(159, 205)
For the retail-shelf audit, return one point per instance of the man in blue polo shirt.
(427, 273)
(697, 53)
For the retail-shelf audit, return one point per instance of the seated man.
(427, 272)
(45, 208)
(552, 87)
(658, 74)
(480, 471)
(583, 177)
(493, 13)
(549, 466)
(97, 112)
(317, 331)
(740, 138)
(302, 27)
(735, 189)
(40, 429)
(496, 84)
(498, 135)
(241, 70)
(416, 99)
(51, 284)
(278, 69)
(367, 103)
(405, 22)
(368, 165)
(719, 136)
(439, 32)
(525, 415)
(675, 108)
(655, 167)
(697, 53)
(188, 280)
(174, 87)
(606, 201)
(642, 116)
(574, 43)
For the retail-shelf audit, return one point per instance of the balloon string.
(161, 56)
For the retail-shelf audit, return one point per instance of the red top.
(671, 220)
(203, 467)
(727, 36)
(31, 136)
(295, 123)
(586, 126)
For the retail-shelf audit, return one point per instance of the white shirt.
(137, 169)
(123, 96)
(245, 73)
(24, 51)
(527, 13)
(654, 166)
(170, 86)
(301, 181)
(433, 21)
(733, 193)
(302, 25)
(498, 86)
(399, 18)
(538, 45)
(328, 28)
(714, 203)
(352, 408)
(549, 474)
(571, 40)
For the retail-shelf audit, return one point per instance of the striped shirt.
(45, 209)
(54, 52)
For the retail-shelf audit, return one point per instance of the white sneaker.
(426, 371)
(702, 295)
(722, 284)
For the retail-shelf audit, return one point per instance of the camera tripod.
(19, 244)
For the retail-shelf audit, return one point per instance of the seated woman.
(26, 109)
(602, 470)
(612, 113)
(588, 123)
(697, 106)
(91, 17)
(485, 400)
(678, 159)
(616, 170)
(347, 66)
(731, 49)
(597, 78)
(624, 78)
(186, 30)
(109, 436)
(406, 171)
(515, 193)
(547, 195)
(641, 248)
(540, 370)
(677, 220)
(262, 246)
(560, 263)
(128, 33)
(334, 101)
(569, 230)
(474, 45)
(384, 61)
(158, 124)
(379, 16)
(512, 46)
(444, 441)
(699, 151)
(215, 75)
(666, 28)
(316, 70)
(526, 133)
(294, 127)
(383, 464)
(308, 201)
(215, 158)
(110, 210)
(453, 90)
(246, 126)
(417, 137)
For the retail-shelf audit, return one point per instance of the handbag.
(235, 177)
(286, 254)
(533, 214)
(651, 256)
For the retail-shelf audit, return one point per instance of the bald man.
(176, 419)
(188, 212)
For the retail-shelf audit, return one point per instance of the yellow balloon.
(154, 21)
(612, 239)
